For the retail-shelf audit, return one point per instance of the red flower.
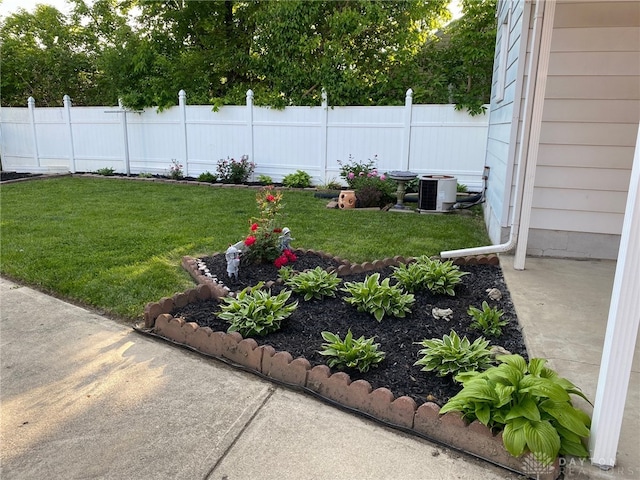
(254, 227)
(289, 255)
(270, 198)
(277, 230)
(281, 261)
(250, 240)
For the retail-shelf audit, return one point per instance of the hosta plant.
(255, 312)
(530, 403)
(489, 319)
(453, 355)
(425, 273)
(360, 353)
(316, 283)
(378, 298)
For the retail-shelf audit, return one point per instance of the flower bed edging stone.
(402, 412)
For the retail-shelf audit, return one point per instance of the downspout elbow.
(464, 252)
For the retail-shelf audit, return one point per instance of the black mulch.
(300, 334)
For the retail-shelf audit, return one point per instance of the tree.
(43, 57)
(458, 66)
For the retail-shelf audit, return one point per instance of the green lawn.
(116, 244)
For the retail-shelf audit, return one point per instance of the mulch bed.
(300, 334)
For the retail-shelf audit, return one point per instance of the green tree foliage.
(362, 52)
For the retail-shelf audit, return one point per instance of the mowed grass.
(116, 245)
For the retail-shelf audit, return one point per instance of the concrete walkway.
(563, 306)
(82, 396)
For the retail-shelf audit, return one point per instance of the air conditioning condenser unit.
(436, 193)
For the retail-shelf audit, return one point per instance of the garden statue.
(232, 255)
(285, 239)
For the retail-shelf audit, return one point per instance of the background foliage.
(362, 52)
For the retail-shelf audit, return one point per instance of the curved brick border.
(449, 429)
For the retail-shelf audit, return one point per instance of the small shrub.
(354, 169)
(107, 172)
(452, 355)
(360, 353)
(232, 171)
(530, 403)
(265, 179)
(300, 179)
(262, 242)
(145, 175)
(316, 283)
(488, 319)
(255, 312)
(378, 299)
(175, 170)
(437, 276)
(461, 188)
(207, 177)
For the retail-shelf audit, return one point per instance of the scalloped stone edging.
(449, 429)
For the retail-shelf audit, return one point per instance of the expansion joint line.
(271, 391)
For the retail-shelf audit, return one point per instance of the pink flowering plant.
(235, 171)
(373, 189)
(263, 240)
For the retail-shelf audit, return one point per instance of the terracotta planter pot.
(347, 199)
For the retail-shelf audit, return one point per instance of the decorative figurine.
(285, 239)
(232, 255)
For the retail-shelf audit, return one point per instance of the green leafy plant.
(255, 312)
(461, 188)
(488, 319)
(316, 283)
(360, 353)
(175, 170)
(107, 171)
(299, 179)
(331, 184)
(530, 403)
(453, 355)
(285, 273)
(145, 175)
(235, 171)
(372, 188)
(265, 179)
(207, 177)
(435, 275)
(378, 299)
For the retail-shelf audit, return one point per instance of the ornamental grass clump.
(452, 355)
(530, 403)
(255, 312)
(316, 283)
(488, 320)
(360, 353)
(378, 299)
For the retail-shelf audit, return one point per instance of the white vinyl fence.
(425, 139)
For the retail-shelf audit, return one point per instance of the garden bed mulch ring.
(402, 412)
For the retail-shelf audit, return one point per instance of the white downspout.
(532, 67)
(534, 143)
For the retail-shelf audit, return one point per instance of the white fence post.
(31, 103)
(182, 102)
(323, 134)
(66, 100)
(406, 139)
(126, 138)
(250, 123)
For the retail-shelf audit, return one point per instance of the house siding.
(503, 120)
(589, 126)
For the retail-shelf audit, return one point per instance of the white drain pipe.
(531, 118)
